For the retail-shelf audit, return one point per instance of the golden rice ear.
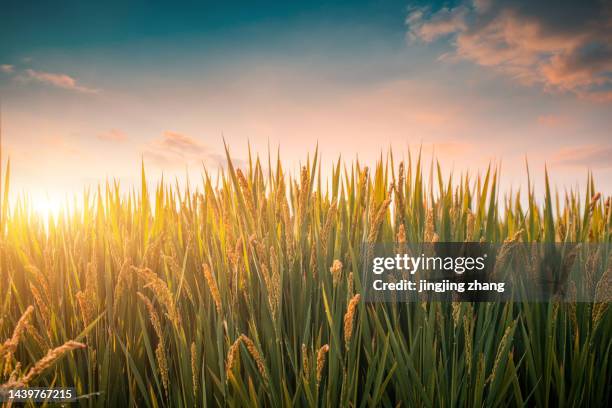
(305, 362)
(259, 361)
(194, 368)
(162, 293)
(348, 319)
(48, 360)
(10, 345)
(232, 355)
(212, 286)
(160, 353)
(321, 357)
(336, 271)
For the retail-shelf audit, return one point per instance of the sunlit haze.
(95, 88)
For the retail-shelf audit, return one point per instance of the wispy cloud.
(176, 149)
(445, 21)
(179, 143)
(593, 156)
(61, 144)
(7, 68)
(564, 46)
(113, 135)
(58, 80)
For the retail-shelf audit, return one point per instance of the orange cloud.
(179, 143)
(564, 47)
(173, 148)
(593, 156)
(7, 68)
(58, 80)
(61, 144)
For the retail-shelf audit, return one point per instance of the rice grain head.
(9, 346)
(428, 234)
(469, 229)
(232, 355)
(47, 361)
(603, 294)
(336, 271)
(212, 286)
(120, 286)
(288, 226)
(314, 268)
(594, 201)
(379, 217)
(304, 195)
(41, 304)
(162, 293)
(571, 305)
(194, 368)
(321, 357)
(259, 361)
(500, 348)
(456, 312)
(327, 226)
(162, 365)
(350, 285)
(153, 316)
(305, 364)
(349, 318)
(401, 236)
(467, 331)
(246, 193)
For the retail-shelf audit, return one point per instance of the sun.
(47, 205)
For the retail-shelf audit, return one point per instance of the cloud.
(564, 46)
(179, 143)
(113, 135)
(593, 156)
(60, 144)
(58, 80)
(7, 68)
(175, 149)
(445, 21)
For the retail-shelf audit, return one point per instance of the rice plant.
(246, 292)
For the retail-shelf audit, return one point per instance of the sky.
(88, 90)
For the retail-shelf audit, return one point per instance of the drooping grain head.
(349, 318)
(162, 293)
(259, 361)
(212, 286)
(321, 357)
(47, 361)
(336, 271)
(232, 355)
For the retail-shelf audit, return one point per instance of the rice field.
(246, 292)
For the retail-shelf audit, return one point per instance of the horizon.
(51, 205)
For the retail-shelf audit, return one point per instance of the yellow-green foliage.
(246, 292)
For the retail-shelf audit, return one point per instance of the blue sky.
(85, 25)
(94, 87)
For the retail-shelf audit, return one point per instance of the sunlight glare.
(47, 205)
